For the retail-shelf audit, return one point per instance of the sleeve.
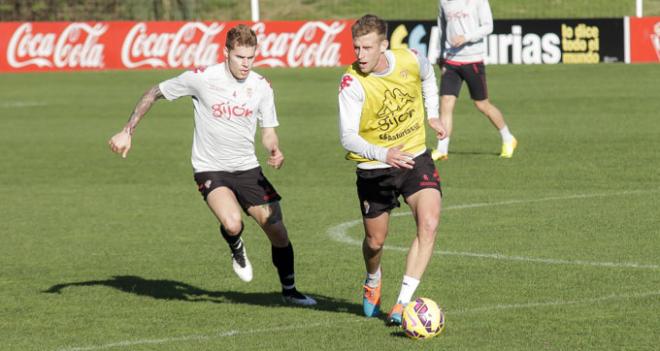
(429, 86)
(266, 114)
(484, 23)
(184, 84)
(442, 32)
(351, 99)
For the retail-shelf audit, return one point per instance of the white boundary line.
(330, 324)
(19, 104)
(339, 233)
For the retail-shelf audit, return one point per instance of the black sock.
(234, 241)
(283, 261)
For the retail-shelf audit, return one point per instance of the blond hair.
(369, 24)
(241, 35)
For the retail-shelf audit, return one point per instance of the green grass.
(420, 9)
(225, 10)
(102, 253)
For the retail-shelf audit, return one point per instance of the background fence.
(224, 10)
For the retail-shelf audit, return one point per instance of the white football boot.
(241, 264)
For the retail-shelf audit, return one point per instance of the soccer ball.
(422, 319)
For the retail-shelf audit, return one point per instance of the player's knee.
(482, 105)
(374, 243)
(233, 226)
(428, 226)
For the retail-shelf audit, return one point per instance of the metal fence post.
(254, 5)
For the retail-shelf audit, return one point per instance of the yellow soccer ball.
(422, 319)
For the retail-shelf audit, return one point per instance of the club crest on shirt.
(404, 74)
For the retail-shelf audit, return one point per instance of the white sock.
(507, 137)
(443, 146)
(408, 288)
(373, 279)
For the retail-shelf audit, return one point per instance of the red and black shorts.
(379, 189)
(474, 74)
(250, 187)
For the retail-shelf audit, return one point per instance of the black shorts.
(474, 74)
(250, 187)
(379, 189)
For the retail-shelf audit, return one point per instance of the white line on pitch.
(339, 233)
(557, 303)
(189, 338)
(18, 104)
(329, 324)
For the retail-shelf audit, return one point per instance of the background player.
(463, 26)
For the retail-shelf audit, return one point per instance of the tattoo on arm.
(142, 107)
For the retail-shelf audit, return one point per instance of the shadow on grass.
(472, 153)
(164, 289)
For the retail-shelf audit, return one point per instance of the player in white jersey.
(229, 100)
(463, 25)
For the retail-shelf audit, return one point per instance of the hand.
(399, 159)
(458, 41)
(120, 143)
(276, 158)
(438, 127)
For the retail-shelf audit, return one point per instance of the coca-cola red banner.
(51, 46)
(644, 39)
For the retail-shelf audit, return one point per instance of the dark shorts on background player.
(474, 74)
(250, 187)
(379, 189)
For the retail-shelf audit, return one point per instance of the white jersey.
(226, 114)
(469, 18)
(351, 100)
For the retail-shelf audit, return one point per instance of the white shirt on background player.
(473, 20)
(351, 100)
(226, 113)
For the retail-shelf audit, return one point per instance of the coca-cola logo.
(299, 49)
(192, 45)
(76, 46)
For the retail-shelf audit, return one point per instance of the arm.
(484, 23)
(351, 99)
(430, 94)
(271, 142)
(121, 142)
(442, 33)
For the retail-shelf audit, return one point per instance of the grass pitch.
(555, 249)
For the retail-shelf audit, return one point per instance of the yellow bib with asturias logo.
(393, 109)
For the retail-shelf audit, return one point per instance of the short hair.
(241, 35)
(368, 24)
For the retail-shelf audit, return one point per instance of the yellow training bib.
(393, 109)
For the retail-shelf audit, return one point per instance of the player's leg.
(269, 218)
(421, 189)
(261, 201)
(425, 206)
(375, 230)
(475, 76)
(377, 197)
(450, 88)
(225, 207)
